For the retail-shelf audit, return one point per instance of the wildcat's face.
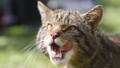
(60, 31)
(60, 38)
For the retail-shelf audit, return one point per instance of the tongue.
(56, 50)
(67, 46)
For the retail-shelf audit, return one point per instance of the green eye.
(72, 27)
(49, 25)
(63, 26)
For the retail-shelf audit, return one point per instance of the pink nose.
(55, 34)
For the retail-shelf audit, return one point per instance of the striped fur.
(92, 49)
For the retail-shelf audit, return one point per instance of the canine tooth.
(48, 41)
(59, 42)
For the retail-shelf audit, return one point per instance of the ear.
(44, 10)
(93, 16)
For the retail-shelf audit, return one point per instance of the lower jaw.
(57, 62)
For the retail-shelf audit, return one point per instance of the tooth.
(48, 40)
(59, 42)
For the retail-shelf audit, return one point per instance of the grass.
(13, 59)
(16, 51)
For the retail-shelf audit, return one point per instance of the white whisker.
(29, 58)
(29, 47)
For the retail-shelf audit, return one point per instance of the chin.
(58, 62)
(61, 61)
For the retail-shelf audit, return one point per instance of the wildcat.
(71, 39)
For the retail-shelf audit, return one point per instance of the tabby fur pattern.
(71, 39)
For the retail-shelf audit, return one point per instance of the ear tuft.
(94, 16)
(44, 10)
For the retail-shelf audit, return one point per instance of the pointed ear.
(44, 10)
(93, 16)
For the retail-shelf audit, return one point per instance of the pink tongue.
(56, 52)
(67, 46)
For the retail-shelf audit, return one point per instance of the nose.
(55, 34)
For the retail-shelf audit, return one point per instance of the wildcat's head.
(61, 31)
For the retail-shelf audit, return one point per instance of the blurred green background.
(17, 41)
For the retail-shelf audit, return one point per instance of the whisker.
(29, 47)
(30, 57)
(29, 51)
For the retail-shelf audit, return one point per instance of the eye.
(47, 26)
(72, 27)
(69, 28)
(64, 27)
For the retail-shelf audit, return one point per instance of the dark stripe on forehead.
(62, 16)
(66, 18)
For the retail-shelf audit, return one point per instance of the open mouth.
(58, 49)
(58, 52)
